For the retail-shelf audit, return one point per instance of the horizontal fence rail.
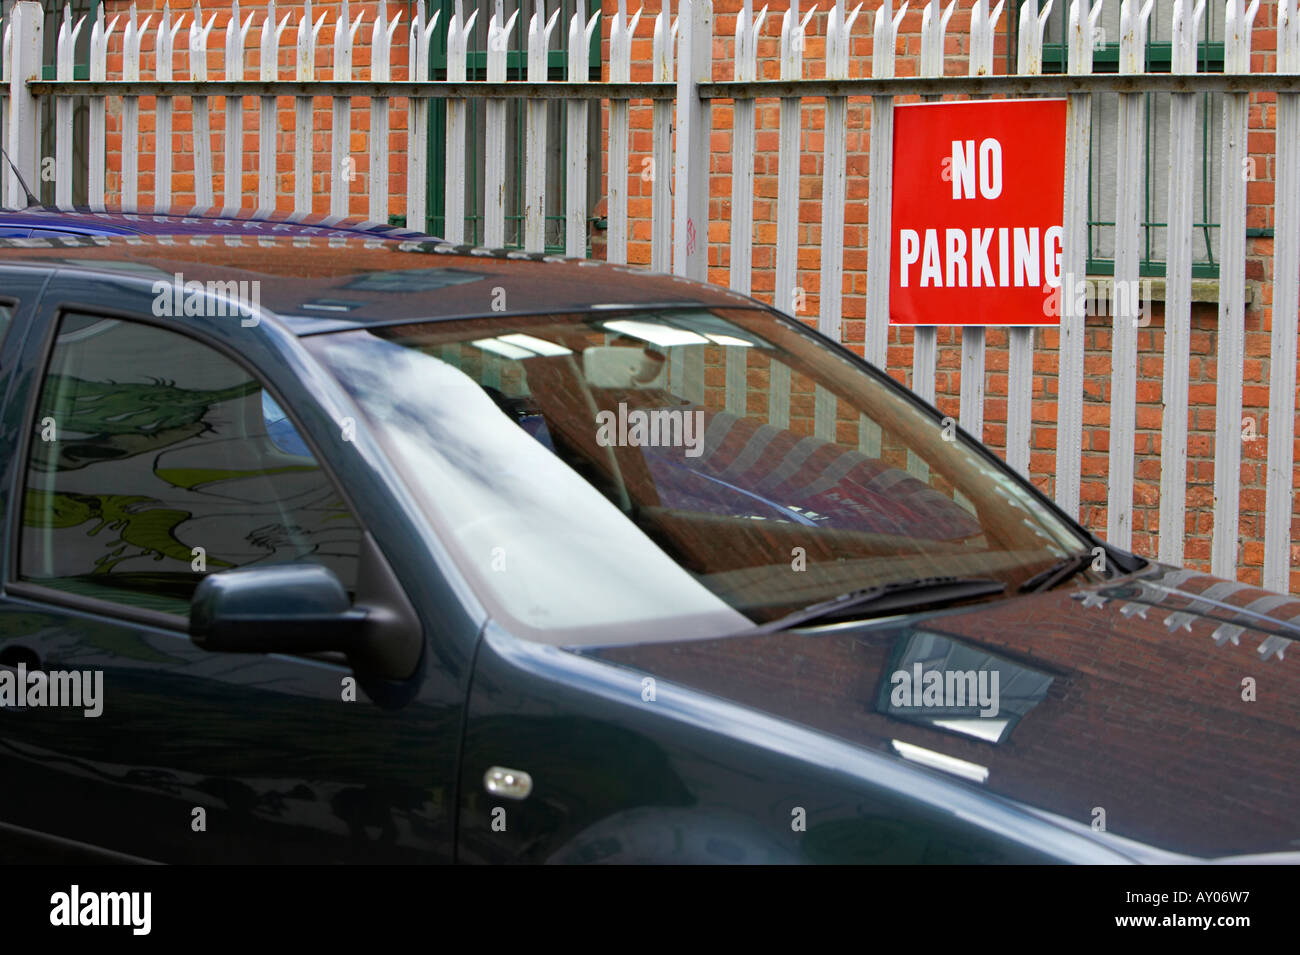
(1006, 85)
(679, 162)
(428, 89)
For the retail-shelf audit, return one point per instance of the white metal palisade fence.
(683, 89)
(22, 46)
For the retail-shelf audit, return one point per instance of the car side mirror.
(278, 608)
(303, 608)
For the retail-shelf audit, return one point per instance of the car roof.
(315, 285)
(197, 220)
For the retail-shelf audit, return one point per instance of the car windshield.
(629, 476)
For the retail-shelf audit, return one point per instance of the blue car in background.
(50, 222)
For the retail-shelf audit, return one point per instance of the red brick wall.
(1095, 440)
(322, 123)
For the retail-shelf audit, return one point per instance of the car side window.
(156, 460)
(6, 316)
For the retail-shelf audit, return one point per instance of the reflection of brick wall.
(1095, 440)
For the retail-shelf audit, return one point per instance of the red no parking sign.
(978, 198)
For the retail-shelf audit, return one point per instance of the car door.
(147, 458)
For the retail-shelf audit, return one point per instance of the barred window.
(1102, 170)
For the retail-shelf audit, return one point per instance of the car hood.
(1160, 706)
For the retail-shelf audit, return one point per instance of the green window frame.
(1159, 57)
(516, 69)
(80, 71)
(53, 20)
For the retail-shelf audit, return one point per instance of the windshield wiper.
(895, 595)
(1060, 571)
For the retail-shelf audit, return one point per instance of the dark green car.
(332, 550)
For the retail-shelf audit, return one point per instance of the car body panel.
(1131, 702)
(629, 772)
(317, 285)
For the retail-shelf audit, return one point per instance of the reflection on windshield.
(705, 459)
(510, 508)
